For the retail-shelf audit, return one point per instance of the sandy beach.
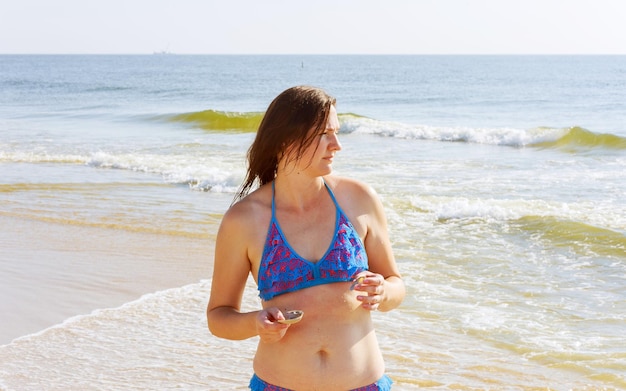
(51, 272)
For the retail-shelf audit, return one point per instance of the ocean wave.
(572, 139)
(578, 139)
(220, 120)
(198, 172)
(580, 236)
(41, 157)
(354, 123)
(568, 139)
(586, 228)
(187, 170)
(493, 136)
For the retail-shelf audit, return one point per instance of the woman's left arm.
(383, 282)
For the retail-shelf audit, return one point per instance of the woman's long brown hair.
(293, 119)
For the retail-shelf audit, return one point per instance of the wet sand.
(51, 272)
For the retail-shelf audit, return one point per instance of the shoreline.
(51, 271)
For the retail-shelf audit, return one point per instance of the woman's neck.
(298, 191)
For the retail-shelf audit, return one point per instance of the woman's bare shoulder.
(351, 188)
(254, 207)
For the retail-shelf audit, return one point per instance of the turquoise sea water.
(503, 178)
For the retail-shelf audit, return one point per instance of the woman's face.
(318, 157)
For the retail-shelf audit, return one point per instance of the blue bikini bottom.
(383, 384)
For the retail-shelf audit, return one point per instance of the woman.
(313, 242)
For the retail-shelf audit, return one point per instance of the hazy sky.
(314, 26)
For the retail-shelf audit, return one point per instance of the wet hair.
(290, 125)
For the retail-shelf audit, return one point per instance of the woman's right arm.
(231, 267)
(230, 273)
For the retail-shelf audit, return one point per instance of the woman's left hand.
(374, 285)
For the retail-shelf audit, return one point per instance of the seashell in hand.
(291, 317)
(356, 282)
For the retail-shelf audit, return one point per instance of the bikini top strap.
(332, 195)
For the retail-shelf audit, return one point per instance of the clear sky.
(313, 26)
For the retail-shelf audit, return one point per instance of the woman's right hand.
(268, 329)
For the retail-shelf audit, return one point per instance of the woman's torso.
(334, 346)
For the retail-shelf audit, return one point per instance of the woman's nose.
(335, 144)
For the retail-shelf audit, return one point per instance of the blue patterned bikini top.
(282, 270)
